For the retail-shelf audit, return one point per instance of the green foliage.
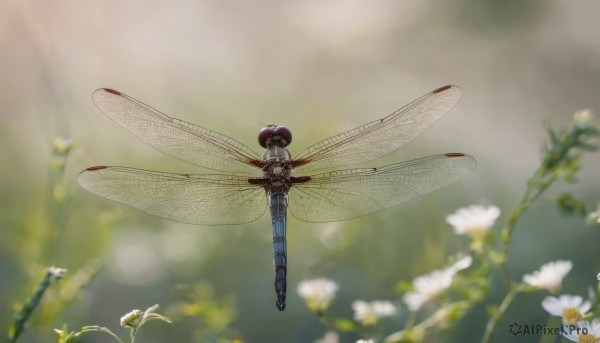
(66, 336)
(344, 325)
(568, 205)
(133, 320)
(53, 274)
(53, 234)
(561, 155)
(210, 316)
(404, 286)
(41, 242)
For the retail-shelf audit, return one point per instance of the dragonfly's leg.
(278, 204)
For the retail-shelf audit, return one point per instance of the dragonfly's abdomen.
(278, 203)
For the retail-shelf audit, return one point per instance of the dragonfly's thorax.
(278, 168)
(276, 152)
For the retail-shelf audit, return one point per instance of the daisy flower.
(475, 220)
(136, 318)
(318, 293)
(549, 276)
(329, 337)
(583, 116)
(431, 286)
(462, 262)
(594, 217)
(585, 332)
(570, 307)
(62, 145)
(369, 313)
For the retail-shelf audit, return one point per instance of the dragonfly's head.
(274, 135)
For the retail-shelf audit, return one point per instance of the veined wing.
(182, 140)
(193, 199)
(380, 137)
(352, 193)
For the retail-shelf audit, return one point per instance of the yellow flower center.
(316, 303)
(369, 319)
(554, 288)
(478, 235)
(587, 338)
(477, 231)
(571, 315)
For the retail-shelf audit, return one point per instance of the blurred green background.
(318, 68)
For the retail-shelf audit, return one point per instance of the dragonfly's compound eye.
(285, 134)
(264, 135)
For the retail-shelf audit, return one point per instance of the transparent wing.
(182, 140)
(193, 199)
(352, 193)
(380, 137)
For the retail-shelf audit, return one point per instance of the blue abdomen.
(278, 203)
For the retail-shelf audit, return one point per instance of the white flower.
(594, 217)
(132, 319)
(598, 276)
(474, 220)
(329, 337)
(62, 145)
(583, 116)
(369, 313)
(331, 236)
(365, 341)
(432, 285)
(462, 262)
(585, 332)
(570, 307)
(136, 318)
(549, 276)
(318, 293)
(56, 273)
(427, 287)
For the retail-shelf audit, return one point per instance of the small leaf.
(568, 205)
(404, 286)
(588, 147)
(344, 325)
(497, 257)
(492, 311)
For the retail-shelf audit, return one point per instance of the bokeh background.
(318, 68)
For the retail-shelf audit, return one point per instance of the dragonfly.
(323, 183)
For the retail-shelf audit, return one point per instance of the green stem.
(96, 328)
(495, 318)
(132, 334)
(515, 215)
(504, 272)
(410, 321)
(22, 317)
(426, 323)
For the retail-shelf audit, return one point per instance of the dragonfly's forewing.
(380, 137)
(194, 199)
(352, 193)
(175, 137)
